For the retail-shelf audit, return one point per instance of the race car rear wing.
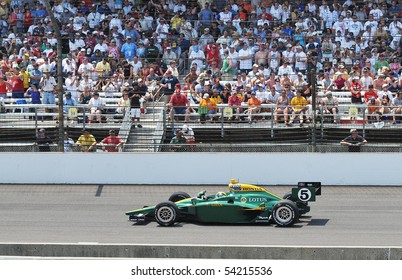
(306, 191)
(316, 185)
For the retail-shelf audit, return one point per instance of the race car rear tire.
(300, 204)
(166, 213)
(177, 196)
(285, 213)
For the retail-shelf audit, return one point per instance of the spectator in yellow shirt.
(26, 76)
(103, 68)
(299, 107)
(87, 142)
(207, 107)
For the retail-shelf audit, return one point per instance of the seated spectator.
(234, 103)
(95, 106)
(371, 93)
(282, 108)
(355, 90)
(124, 103)
(330, 105)
(253, 106)
(112, 143)
(272, 98)
(396, 107)
(385, 103)
(339, 83)
(179, 104)
(372, 110)
(207, 107)
(68, 102)
(43, 141)
(68, 143)
(86, 142)
(299, 107)
(188, 133)
(216, 97)
(177, 142)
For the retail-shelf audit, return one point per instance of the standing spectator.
(135, 105)
(168, 83)
(3, 87)
(86, 142)
(16, 83)
(48, 86)
(246, 59)
(112, 143)
(301, 60)
(43, 141)
(197, 57)
(35, 75)
(354, 141)
(34, 93)
(152, 52)
(128, 49)
(206, 16)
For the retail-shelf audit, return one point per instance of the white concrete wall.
(201, 168)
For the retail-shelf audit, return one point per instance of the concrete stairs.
(150, 135)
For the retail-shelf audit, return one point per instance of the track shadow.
(318, 222)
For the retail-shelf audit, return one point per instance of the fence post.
(272, 122)
(364, 122)
(222, 128)
(36, 120)
(83, 118)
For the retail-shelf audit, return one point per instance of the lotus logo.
(243, 200)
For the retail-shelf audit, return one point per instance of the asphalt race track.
(342, 216)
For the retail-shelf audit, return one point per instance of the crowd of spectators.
(256, 49)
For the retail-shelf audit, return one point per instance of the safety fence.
(21, 123)
(208, 148)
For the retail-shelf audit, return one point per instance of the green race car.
(243, 203)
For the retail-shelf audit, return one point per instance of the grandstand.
(272, 45)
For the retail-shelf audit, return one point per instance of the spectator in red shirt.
(179, 104)
(371, 93)
(340, 83)
(3, 87)
(355, 90)
(111, 143)
(235, 103)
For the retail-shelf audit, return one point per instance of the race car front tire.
(177, 196)
(166, 213)
(285, 213)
